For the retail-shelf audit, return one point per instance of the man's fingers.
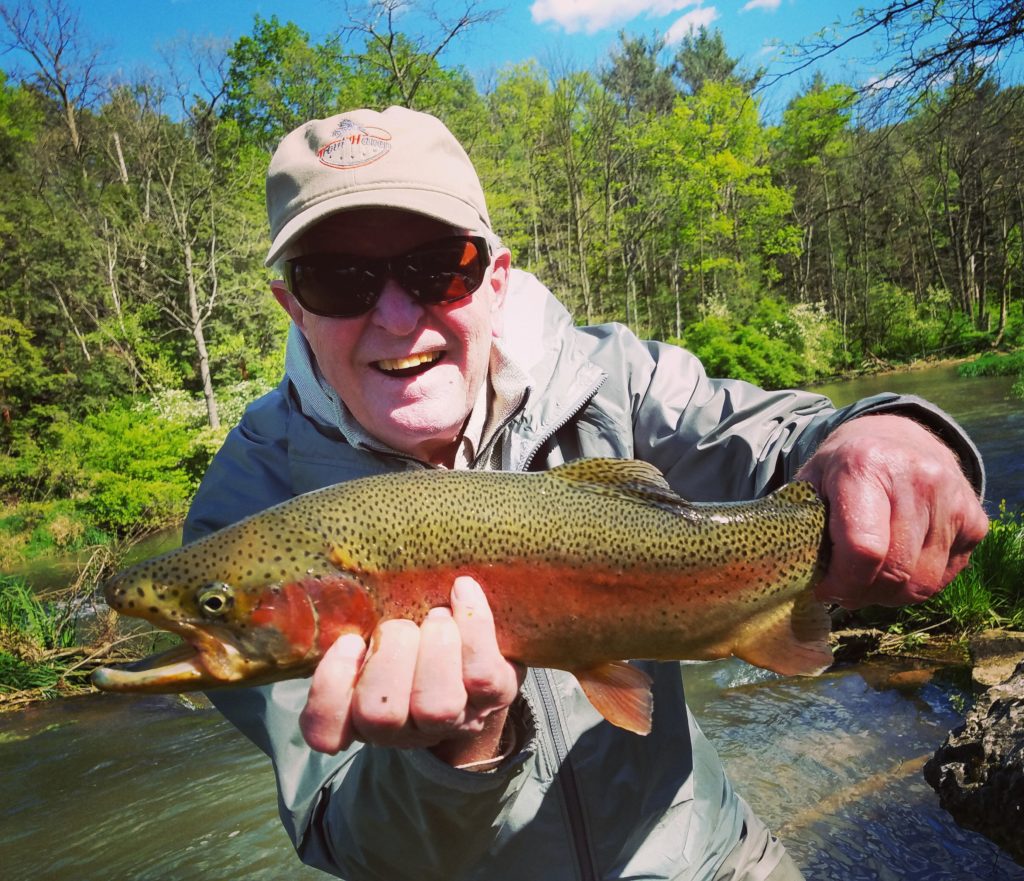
(858, 526)
(438, 700)
(490, 680)
(325, 722)
(380, 703)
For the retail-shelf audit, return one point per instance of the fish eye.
(215, 599)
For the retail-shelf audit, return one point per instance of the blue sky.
(559, 34)
(554, 32)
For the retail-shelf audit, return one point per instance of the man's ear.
(499, 288)
(288, 302)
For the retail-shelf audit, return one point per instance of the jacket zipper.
(565, 775)
(570, 412)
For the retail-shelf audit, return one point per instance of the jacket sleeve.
(367, 813)
(719, 439)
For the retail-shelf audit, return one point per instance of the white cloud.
(691, 22)
(594, 15)
(769, 5)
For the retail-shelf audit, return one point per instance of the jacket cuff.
(939, 423)
(521, 717)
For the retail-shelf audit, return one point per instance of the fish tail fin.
(621, 693)
(790, 638)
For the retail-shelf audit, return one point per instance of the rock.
(854, 644)
(995, 654)
(979, 771)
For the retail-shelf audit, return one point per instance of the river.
(111, 788)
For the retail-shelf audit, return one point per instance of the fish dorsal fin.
(621, 693)
(629, 478)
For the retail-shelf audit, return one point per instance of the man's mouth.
(410, 365)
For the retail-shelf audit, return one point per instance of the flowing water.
(112, 788)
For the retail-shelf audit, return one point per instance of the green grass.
(993, 364)
(46, 625)
(33, 633)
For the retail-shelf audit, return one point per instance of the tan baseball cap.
(396, 159)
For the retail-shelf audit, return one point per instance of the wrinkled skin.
(903, 521)
(902, 517)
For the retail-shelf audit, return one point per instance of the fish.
(586, 567)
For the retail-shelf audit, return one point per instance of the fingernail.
(466, 591)
(439, 612)
(351, 645)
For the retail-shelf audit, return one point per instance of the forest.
(654, 190)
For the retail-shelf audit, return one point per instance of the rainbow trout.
(584, 565)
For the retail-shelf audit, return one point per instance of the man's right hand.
(441, 684)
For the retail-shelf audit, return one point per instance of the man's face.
(416, 406)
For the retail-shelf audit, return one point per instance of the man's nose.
(397, 311)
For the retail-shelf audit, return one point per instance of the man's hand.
(440, 684)
(902, 517)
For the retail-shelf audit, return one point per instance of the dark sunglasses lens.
(344, 286)
(329, 284)
(444, 271)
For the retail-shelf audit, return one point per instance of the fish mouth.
(203, 661)
(410, 365)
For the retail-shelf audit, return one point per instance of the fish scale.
(584, 566)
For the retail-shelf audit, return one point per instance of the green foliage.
(277, 80)
(133, 467)
(44, 624)
(776, 347)
(898, 326)
(35, 637)
(994, 364)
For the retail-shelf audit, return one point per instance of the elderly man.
(414, 344)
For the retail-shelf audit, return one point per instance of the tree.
(277, 80)
(64, 67)
(919, 42)
(405, 63)
(702, 58)
(635, 77)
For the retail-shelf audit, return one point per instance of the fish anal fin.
(621, 693)
(791, 638)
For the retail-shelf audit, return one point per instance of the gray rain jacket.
(580, 799)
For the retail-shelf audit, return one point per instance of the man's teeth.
(411, 361)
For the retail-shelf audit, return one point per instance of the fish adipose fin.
(621, 693)
(624, 478)
(791, 639)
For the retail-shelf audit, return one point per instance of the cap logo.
(354, 145)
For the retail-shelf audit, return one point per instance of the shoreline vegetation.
(49, 644)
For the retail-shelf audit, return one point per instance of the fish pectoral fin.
(791, 638)
(621, 693)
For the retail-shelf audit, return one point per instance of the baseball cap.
(398, 158)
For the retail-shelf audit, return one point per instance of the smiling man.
(414, 344)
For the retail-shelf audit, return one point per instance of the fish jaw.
(205, 660)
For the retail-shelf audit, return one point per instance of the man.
(414, 344)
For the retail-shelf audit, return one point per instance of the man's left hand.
(903, 519)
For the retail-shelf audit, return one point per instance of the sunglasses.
(347, 285)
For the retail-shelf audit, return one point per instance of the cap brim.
(439, 206)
